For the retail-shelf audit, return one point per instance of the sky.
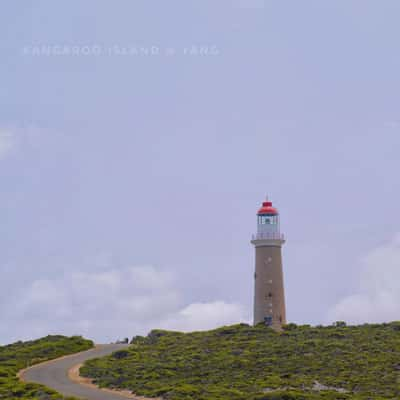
(138, 139)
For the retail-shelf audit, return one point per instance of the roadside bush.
(17, 356)
(242, 362)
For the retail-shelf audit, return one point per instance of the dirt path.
(73, 375)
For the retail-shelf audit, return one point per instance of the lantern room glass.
(267, 220)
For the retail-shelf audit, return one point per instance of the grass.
(256, 363)
(17, 356)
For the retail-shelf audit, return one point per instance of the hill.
(17, 356)
(243, 362)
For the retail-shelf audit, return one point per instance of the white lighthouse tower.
(269, 294)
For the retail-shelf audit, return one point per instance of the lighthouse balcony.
(268, 236)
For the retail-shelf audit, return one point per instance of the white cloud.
(203, 316)
(378, 298)
(107, 305)
(7, 140)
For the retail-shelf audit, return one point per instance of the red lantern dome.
(267, 209)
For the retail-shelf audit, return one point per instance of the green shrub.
(242, 362)
(17, 356)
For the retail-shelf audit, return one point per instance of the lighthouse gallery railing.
(269, 235)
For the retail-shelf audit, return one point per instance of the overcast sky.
(138, 138)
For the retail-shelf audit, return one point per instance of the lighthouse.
(269, 294)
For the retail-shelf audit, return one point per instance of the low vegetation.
(17, 356)
(256, 363)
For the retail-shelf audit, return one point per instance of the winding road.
(56, 374)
